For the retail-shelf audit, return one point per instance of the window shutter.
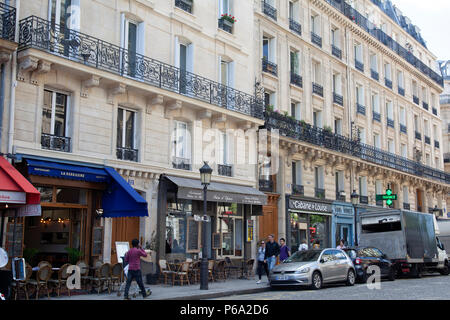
(177, 53)
(75, 13)
(188, 139)
(123, 28)
(220, 11)
(190, 58)
(231, 74)
(140, 48)
(230, 148)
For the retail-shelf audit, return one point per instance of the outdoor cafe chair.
(44, 263)
(165, 271)
(102, 277)
(42, 277)
(62, 279)
(220, 270)
(195, 271)
(23, 284)
(231, 269)
(249, 267)
(183, 273)
(116, 275)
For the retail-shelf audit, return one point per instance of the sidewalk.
(167, 292)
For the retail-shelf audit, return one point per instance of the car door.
(328, 266)
(341, 265)
(382, 263)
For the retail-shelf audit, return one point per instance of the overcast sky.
(433, 19)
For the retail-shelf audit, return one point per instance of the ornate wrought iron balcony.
(224, 170)
(436, 144)
(266, 185)
(181, 163)
(52, 142)
(388, 83)
(374, 75)
(295, 26)
(319, 193)
(338, 99)
(416, 100)
(40, 34)
(316, 39)
(7, 22)
(377, 33)
(296, 79)
(359, 65)
(298, 189)
(403, 128)
(360, 109)
(376, 116)
(335, 51)
(317, 136)
(317, 89)
(434, 110)
(406, 206)
(185, 5)
(269, 67)
(401, 91)
(427, 140)
(364, 199)
(269, 10)
(226, 25)
(390, 122)
(425, 105)
(418, 135)
(127, 154)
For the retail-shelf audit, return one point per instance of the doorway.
(123, 230)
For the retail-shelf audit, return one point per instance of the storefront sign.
(250, 230)
(215, 196)
(309, 206)
(13, 197)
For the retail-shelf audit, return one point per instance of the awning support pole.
(14, 235)
(2, 228)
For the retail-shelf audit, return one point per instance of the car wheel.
(392, 273)
(444, 271)
(350, 278)
(316, 281)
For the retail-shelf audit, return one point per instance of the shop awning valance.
(119, 199)
(218, 192)
(14, 188)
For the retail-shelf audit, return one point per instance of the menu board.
(18, 239)
(193, 236)
(216, 241)
(97, 241)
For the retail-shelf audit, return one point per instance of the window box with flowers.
(226, 22)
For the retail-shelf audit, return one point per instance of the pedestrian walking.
(341, 244)
(285, 252)
(303, 246)
(262, 265)
(316, 244)
(272, 252)
(133, 259)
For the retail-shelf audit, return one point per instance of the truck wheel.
(445, 270)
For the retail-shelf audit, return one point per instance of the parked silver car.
(314, 268)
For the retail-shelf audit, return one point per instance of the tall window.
(360, 94)
(317, 118)
(335, 37)
(358, 51)
(297, 173)
(296, 110)
(230, 226)
(315, 24)
(376, 103)
(126, 131)
(337, 84)
(181, 142)
(225, 7)
(295, 62)
(414, 88)
(387, 71)
(270, 99)
(54, 113)
(376, 140)
(402, 116)
(405, 194)
(391, 146)
(338, 126)
(373, 62)
(319, 177)
(317, 75)
(269, 49)
(65, 13)
(363, 186)
(362, 134)
(416, 124)
(389, 110)
(400, 79)
(404, 150)
(424, 95)
(339, 181)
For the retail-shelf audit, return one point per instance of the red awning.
(14, 188)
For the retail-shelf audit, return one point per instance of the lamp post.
(436, 211)
(354, 196)
(205, 178)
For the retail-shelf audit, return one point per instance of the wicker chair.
(23, 284)
(102, 277)
(42, 277)
(231, 269)
(84, 272)
(44, 263)
(183, 274)
(249, 271)
(211, 269)
(165, 271)
(220, 270)
(62, 279)
(195, 271)
(116, 275)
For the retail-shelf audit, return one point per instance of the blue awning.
(119, 199)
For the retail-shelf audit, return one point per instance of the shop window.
(230, 225)
(176, 225)
(71, 195)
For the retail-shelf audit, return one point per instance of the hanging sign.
(388, 197)
(250, 230)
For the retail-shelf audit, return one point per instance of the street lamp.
(205, 178)
(354, 196)
(436, 211)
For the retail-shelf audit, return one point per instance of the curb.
(221, 294)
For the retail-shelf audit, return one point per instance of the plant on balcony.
(227, 17)
(269, 108)
(327, 129)
(303, 123)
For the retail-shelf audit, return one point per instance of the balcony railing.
(316, 39)
(295, 26)
(40, 34)
(317, 89)
(390, 122)
(374, 74)
(427, 140)
(406, 206)
(226, 25)
(377, 33)
(364, 199)
(181, 163)
(338, 99)
(403, 128)
(265, 185)
(298, 189)
(336, 51)
(224, 170)
(52, 142)
(359, 65)
(416, 100)
(319, 193)
(447, 157)
(376, 116)
(418, 135)
(388, 83)
(269, 67)
(401, 91)
(296, 79)
(360, 109)
(269, 10)
(436, 144)
(127, 154)
(7, 22)
(185, 5)
(425, 105)
(317, 136)
(434, 110)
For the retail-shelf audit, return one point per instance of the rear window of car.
(369, 252)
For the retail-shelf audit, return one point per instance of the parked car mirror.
(322, 261)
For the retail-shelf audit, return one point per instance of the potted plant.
(327, 129)
(227, 20)
(74, 255)
(269, 108)
(29, 254)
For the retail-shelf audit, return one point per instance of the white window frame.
(186, 146)
(124, 127)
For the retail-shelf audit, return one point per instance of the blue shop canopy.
(119, 199)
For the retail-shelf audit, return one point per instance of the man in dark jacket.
(272, 251)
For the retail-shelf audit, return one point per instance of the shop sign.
(215, 196)
(13, 197)
(309, 206)
(250, 230)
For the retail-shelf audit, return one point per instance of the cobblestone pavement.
(429, 287)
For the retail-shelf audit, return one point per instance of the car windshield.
(303, 256)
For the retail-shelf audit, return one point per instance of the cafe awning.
(218, 192)
(14, 188)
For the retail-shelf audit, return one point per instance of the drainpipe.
(12, 101)
(2, 95)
